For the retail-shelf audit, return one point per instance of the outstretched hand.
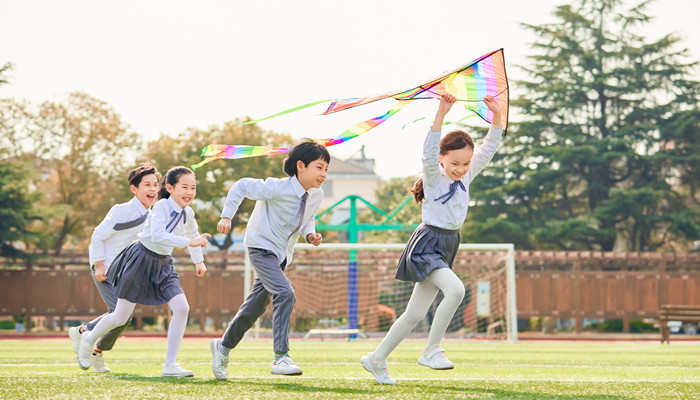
(446, 102)
(200, 241)
(495, 108)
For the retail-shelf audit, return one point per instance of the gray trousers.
(269, 282)
(109, 295)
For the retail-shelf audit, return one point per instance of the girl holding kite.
(143, 272)
(449, 166)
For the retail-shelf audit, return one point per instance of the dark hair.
(454, 140)
(137, 174)
(172, 177)
(306, 151)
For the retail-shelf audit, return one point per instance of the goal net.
(347, 286)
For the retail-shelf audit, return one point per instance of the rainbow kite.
(468, 83)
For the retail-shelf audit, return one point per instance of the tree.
(16, 208)
(84, 147)
(214, 179)
(606, 131)
(3, 71)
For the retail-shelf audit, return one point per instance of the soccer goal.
(349, 288)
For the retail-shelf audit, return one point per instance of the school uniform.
(283, 211)
(119, 228)
(143, 273)
(435, 242)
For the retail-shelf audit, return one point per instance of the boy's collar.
(296, 185)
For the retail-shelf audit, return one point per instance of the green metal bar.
(400, 206)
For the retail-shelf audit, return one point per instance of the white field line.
(264, 364)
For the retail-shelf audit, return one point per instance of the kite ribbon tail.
(364, 126)
(291, 110)
(207, 160)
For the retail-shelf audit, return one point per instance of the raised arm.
(254, 189)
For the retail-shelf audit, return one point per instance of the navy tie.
(302, 208)
(451, 192)
(126, 225)
(176, 217)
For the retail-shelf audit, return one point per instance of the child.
(143, 272)
(119, 228)
(284, 209)
(448, 168)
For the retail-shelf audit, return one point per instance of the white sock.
(176, 330)
(423, 295)
(453, 292)
(121, 314)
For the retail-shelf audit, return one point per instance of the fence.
(556, 285)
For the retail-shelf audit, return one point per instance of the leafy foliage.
(602, 160)
(214, 179)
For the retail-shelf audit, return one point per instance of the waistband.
(151, 252)
(440, 230)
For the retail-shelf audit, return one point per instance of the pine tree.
(610, 128)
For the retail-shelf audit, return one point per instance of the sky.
(165, 66)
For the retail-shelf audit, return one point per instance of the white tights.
(123, 311)
(424, 293)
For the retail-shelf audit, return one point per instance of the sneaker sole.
(212, 346)
(421, 362)
(177, 375)
(81, 365)
(364, 361)
(287, 374)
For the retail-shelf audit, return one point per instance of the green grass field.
(528, 370)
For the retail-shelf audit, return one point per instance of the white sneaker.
(379, 370)
(176, 370)
(76, 337)
(98, 364)
(285, 366)
(219, 362)
(84, 353)
(436, 359)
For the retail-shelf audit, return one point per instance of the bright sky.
(168, 65)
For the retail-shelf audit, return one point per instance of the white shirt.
(165, 230)
(106, 241)
(275, 215)
(451, 215)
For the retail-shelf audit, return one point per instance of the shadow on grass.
(509, 394)
(282, 387)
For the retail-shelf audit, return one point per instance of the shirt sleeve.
(486, 151)
(254, 189)
(431, 157)
(192, 231)
(159, 235)
(102, 232)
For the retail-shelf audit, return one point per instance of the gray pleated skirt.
(144, 277)
(428, 248)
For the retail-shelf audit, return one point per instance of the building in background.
(353, 176)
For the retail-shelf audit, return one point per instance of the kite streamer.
(468, 83)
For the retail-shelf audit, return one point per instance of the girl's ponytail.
(417, 191)
(163, 192)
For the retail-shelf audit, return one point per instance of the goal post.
(326, 292)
